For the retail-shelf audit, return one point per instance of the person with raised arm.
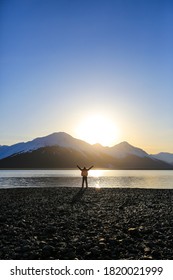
(84, 174)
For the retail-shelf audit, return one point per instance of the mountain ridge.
(167, 157)
(60, 149)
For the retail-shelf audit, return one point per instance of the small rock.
(48, 250)
(133, 231)
(147, 250)
(102, 239)
(102, 245)
(147, 257)
(95, 250)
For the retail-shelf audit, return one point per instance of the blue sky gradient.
(66, 59)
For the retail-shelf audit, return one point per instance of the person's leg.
(86, 181)
(82, 182)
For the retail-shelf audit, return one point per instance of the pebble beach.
(70, 223)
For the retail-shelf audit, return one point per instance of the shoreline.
(70, 223)
(90, 187)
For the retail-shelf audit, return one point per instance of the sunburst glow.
(97, 129)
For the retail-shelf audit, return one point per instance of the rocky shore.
(68, 223)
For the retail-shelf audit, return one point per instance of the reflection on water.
(97, 184)
(96, 179)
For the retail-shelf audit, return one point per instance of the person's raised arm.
(79, 167)
(90, 167)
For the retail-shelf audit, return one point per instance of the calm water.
(97, 178)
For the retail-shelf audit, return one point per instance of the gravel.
(70, 223)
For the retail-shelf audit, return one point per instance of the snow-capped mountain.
(64, 140)
(124, 149)
(167, 157)
(61, 139)
(60, 150)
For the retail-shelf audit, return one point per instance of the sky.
(89, 68)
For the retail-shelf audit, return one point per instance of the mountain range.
(60, 150)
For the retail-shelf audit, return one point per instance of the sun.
(97, 129)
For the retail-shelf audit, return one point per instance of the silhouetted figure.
(84, 174)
